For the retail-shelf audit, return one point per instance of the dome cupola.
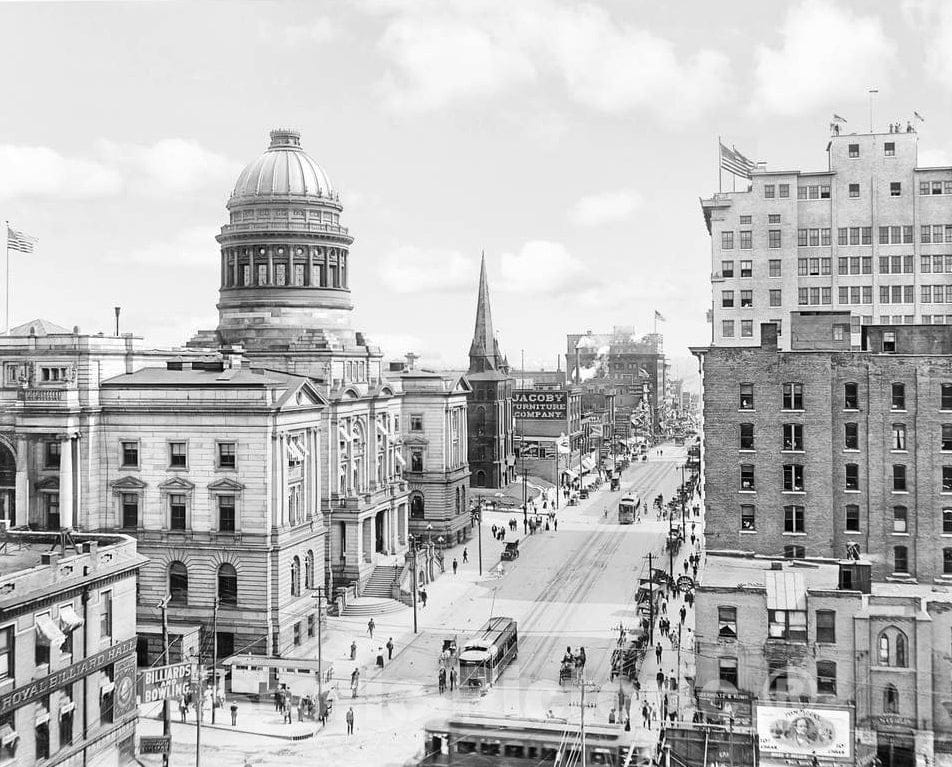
(283, 171)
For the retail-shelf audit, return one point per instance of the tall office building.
(872, 234)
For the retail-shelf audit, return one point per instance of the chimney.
(768, 336)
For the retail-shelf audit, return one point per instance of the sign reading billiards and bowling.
(540, 405)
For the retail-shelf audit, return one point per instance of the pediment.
(385, 391)
(177, 483)
(349, 393)
(226, 485)
(462, 386)
(415, 439)
(129, 482)
(50, 483)
(306, 395)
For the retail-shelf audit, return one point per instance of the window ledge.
(793, 450)
(851, 450)
(901, 535)
(746, 410)
(748, 492)
(130, 467)
(747, 532)
(899, 492)
(852, 532)
(793, 492)
(746, 450)
(853, 492)
(794, 535)
(796, 409)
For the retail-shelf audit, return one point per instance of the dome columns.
(281, 266)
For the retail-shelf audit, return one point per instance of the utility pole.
(214, 658)
(320, 648)
(582, 725)
(199, 712)
(684, 491)
(414, 580)
(670, 549)
(479, 531)
(650, 603)
(166, 706)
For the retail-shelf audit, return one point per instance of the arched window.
(178, 583)
(296, 577)
(457, 500)
(227, 585)
(309, 570)
(416, 507)
(901, 659)
(900, 559)
(893, 648)
(480, 417)
(480, 479)
(890, 700)
(883, 650)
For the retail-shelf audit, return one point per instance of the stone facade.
(871, 432)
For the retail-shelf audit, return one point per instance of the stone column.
(270, 266)
(66, 483)
(23, 482)
(237, 266)
(283, 476)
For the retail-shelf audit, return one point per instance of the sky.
(570, 141)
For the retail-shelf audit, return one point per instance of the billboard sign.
(540, 405)
(164, 682)
(802, 731)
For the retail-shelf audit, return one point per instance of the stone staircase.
(380, 584)
(372, 606)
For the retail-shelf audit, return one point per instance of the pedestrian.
(183, 708)
(390, 647)
(455, 565)
(693, 539)
(525, 527)
(555, 523)
(684, 612)
(423, 594)
(627, 724)
(234, 714)
(353, 650)
(441, 680)
(657, 653)
(350, 720)
(694, 572)
(287, 714)
(370, 627)
(672, 681)
(664, 607)
(645, 717)
(277, 700)
(637, 685)
(611, 716)
(300, 708)
(686, 566)
(465, 555)
(452, 679)
(659, 677)
(379, 657)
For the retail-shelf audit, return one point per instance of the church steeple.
(484, 352)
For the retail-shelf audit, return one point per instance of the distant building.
(68, 649)
(491, 454)
(869, 234)
(819, 637)
(537, 439)
(823, 448)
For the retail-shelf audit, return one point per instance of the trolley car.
(485, 654)
(469, 740)
(628, 508)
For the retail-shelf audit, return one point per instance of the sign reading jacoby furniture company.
(37, 689)
(542, 405)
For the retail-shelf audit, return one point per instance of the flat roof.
(739, 569)
(162, 376)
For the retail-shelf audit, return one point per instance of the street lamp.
(525, 500)
(411, 539)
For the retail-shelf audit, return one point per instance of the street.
(572, 587)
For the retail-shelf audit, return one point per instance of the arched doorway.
(8, 481)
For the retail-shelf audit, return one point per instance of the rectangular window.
(867, 299)
(844, 295)
(747, 396)
(908, 264)
(792, 396)
(746, 436)
(790, 625)
(947, 479)
(748, 518)
(177, 511)
(745, 220)
(226, 513)
(899, 477)
(824, 191)
(775, 297)
(947, 521)
(851, 437)
(925, 265)
(854, 264)
(895, 189)
(746, 299)
(52, 455)
(769, 191)
(884, 235)
(925, 234)
(746, 328)
(226, 455)
(6, 652)
(773, 238)
(727, 671)
(801, 238)
(747, 477)
(130, 454)
(793, 478)
(900, 559)
(727, 268)
(854, 190)
(826, 294)
(843, 265)
(826, 677)
(826, 626)
(898, 396)
(178, 455)
(727, 240)
(801, 193)
(784, 190)
(416, 423)
(854, 150)
(842, 236)
(895, 234)
(867, 232)
(774, 267)
(746, 239)
(105, 615)
(130, 510)
(746, 268)
(889, 148)
(793, 436)
(727, 328)
(814, 296)
(727, 622)
(852, 518)
(889, 344)
(945, 394)
(297, 633)
(852, 476)
(727, 298)
(923, 187)
(773, 218)
(900, 519)
(824, 237)
(803, 267)
(814, 237)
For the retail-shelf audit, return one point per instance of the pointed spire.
(484, 351)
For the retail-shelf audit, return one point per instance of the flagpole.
(6, 329)
(720, 170)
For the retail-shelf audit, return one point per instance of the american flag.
(734, 162)
(19, 241)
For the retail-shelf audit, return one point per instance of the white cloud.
(605, 207)
(933, 20)
(934, 158)
(543, 267)
(171, 166)
(455, 50)
(37, 171)
(192, 247)
(409, 269)
(826, 53)
(320, 30)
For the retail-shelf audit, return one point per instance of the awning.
(587, 464)
(785, 590)
(48, 632)
(297, 453)
(7, 735)
(572, 474)
(380, 429)
(344, 434)
(399, 456)
(588, 480)
(107, 686)
(42, 717)
(69, 620)
(67, 708)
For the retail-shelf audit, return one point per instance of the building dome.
(283, 171)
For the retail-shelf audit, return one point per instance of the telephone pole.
(479, 531)
(413, 581)
(320, 648)
(166, 706)
(650, 603)
(214, 658)
(198, 714)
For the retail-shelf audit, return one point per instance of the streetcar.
(486, 654)
(468, 740)
(628, 508)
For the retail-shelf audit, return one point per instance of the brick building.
(808, 451)
(67, 649)
(869, 235)
(770, 630)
